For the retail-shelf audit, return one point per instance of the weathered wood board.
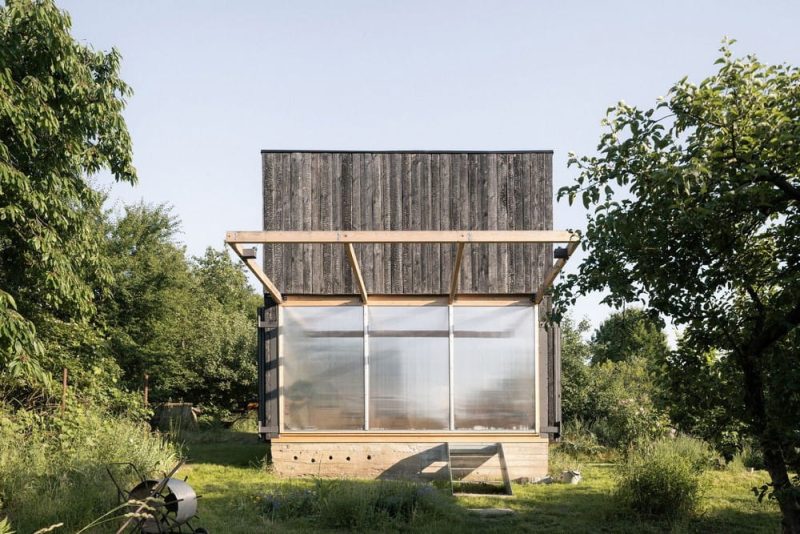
(305, 190)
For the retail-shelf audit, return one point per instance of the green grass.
(227, 470)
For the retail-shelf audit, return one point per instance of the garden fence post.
(64, 391)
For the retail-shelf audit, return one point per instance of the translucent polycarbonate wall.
(493, 368)
(408, 368)
(323, 368)
(408, 353)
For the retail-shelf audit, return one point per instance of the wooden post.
(64, 391)
(146, 388)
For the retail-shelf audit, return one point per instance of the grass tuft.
(663, 478)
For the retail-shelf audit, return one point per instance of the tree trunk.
(779, 475)
(774, 460)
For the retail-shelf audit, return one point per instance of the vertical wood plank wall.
(407, 191)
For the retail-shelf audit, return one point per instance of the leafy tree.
(696, 214)
(152, 301)
(225, 281)
(629, 334)
(622, 403)
(575, 356)
(60, 121)
(616, 400)
(702, 393)
(188, 324)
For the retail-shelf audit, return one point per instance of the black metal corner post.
(552, 345)
(268, 415)
(262, 377)
(555, 365)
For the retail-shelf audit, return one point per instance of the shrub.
(578, 441)
(663, 477)
(53, 467)
(752, 456)
(748, 457)
(559, 462)
(623, 409)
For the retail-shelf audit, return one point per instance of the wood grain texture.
(348, 191)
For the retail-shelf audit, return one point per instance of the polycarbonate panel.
(493, 368)
(323, 367)
(408, 368)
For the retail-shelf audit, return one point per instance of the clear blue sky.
(215, 82)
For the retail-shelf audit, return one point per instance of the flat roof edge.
(307, 151)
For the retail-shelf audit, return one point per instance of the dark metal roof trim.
(307, 151)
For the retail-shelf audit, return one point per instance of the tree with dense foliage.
(695, 407)
(696, 215)
(188, 324)
(575, 358)
(60, 121)
(616, 399)
(629, 334)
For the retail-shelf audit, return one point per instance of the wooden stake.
(146, 388)
(64, 391)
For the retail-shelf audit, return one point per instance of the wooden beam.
(402, 236)
(320, 300)
(551, 276)
(252, 264)
(400, 436)
(351, 257)
(464, 300)
(456, 273)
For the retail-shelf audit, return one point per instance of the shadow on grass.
(737, 521)
(236, 449)
(592, 507)
(235, 499)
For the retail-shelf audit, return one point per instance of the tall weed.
(53, 466)
(749, 457)
(354, 505)
(663, 478)
(578, 441)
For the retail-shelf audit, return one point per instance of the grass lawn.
(228, 472)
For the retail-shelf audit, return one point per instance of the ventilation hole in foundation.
(369, 457)
(295, 457)
(348, 458)
(330, 457)
(313, 460)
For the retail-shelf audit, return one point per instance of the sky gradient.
(214, 83)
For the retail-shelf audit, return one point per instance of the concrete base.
(421, 461)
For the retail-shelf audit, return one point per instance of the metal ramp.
(464, 458)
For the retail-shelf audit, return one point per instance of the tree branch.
(775, 331)
(782, 183)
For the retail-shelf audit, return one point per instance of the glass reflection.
(408, 368)
(323, 368)
(493, 368)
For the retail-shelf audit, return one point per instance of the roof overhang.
(237, 239)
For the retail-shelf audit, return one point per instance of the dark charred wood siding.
(407, 191)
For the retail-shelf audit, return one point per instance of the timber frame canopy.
(348, 239)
